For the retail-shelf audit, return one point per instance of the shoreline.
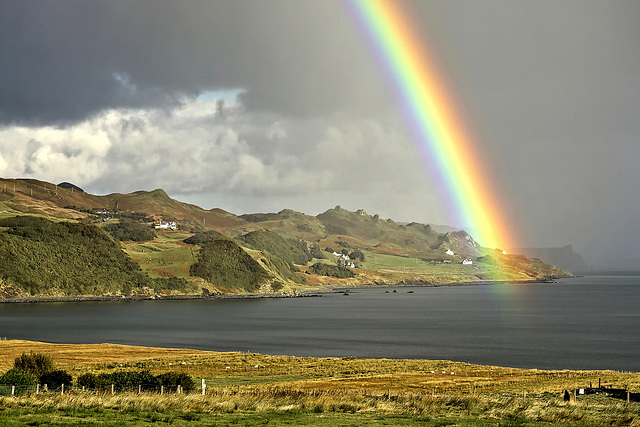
(295, 294)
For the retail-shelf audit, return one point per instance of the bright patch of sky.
(229, 96)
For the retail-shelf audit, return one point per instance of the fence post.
(13, 391)
(161, 389)
(62, 389)
(204, 386)
(37, 388)
(139, 388)
(113, 389)
(45, 389)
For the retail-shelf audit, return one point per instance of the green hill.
(226, 265)
(291, 250)
(43, 257)
(59, 240)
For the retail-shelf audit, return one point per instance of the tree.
(131, 230)
(22, 380)
(357, 255)
(36, 363)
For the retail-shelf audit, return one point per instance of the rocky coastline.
(294, 294)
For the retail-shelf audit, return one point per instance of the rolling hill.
(108, 249)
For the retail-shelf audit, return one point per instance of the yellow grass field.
(375, 375)
(250, 383)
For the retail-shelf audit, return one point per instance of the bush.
(335, 229)
(55, 379)
(316, 252)
(130, 230)
(131, 380)
(38, 364)
(171, 381)
(323, 269)
(88, 380)
(22, 380)
(357, 255)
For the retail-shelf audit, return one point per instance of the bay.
(590, 322)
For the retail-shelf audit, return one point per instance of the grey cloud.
(64, 61)
(108, 89)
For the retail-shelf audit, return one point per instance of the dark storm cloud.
(64, 60)
(104, 93)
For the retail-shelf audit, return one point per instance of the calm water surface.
(590, 322)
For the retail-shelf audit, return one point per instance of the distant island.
(56, 241)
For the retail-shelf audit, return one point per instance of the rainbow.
(434, 123)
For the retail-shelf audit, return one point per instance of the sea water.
(589, 322)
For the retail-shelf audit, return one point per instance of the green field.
(164, 256)
(418, 268)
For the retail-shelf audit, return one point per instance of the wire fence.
(11, 390)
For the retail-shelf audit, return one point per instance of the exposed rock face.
(11, 291)
(461, 243)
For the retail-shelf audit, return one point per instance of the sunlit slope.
(284, 246)
(44, 198)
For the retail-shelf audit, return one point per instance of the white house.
(166, 226)
(467, 262)
(449, 252)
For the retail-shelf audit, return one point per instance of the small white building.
(166, 226)
(467, 262)
(449, 252)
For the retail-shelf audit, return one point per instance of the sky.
(256, 106)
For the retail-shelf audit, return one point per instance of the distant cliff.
(564, 257)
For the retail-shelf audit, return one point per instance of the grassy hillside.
(283, 244)
(43, 257)
(34, 197)
(290, 250)
(227, 266)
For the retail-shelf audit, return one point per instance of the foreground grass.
(315, 391)
(320, 409)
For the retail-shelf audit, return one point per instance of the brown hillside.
(44, 198)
